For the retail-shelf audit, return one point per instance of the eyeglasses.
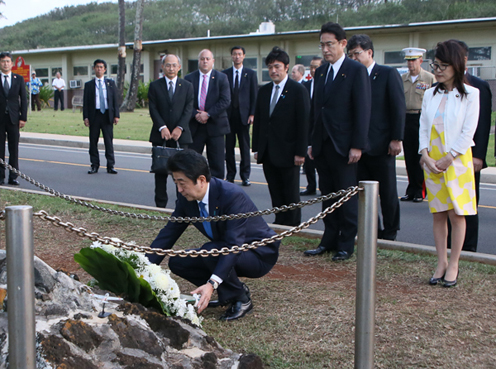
(329, 44)
(441, 67)
(355, 54)
(171, 65)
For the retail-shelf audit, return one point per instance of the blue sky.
(16, 11)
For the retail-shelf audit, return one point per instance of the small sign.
(22, 69)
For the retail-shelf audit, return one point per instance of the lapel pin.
(457, 95)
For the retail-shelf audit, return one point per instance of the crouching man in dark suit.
(200, 194)
(100, 112)
(171, 104)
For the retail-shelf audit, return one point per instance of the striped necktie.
(203, 94)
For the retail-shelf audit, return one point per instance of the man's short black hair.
(238, 48)
(277, 54)
(100, 61)
(335, 29)
(362, 41)
(464, 47)
(192, 164)
(317, 58)
(6, 55)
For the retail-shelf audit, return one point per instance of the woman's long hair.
(451, 52)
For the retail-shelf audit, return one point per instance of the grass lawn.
(305, 307)
(131, 126)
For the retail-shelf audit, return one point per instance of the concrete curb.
(308, 233)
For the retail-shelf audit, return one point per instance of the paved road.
(64, 169)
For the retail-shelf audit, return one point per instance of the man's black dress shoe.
(340, 256)
(318, 251)
(93, 170)
(14, 182)
(111, 171)
(308, 193)
(230, 180)
(418, 199)
(246, 183)
(406, 198)
(2, 182)
(237, 310)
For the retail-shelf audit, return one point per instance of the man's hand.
(176, 133)
(354, 155)
(255, 155)
(394, 147)
(478, 163)
(206, 293)
(250, 119)
(116, 120)
(87, 122)
(309, 153)
(299, 160)
(165, 133)
(202, 117)
(22, 123)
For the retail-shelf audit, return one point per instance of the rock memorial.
(70, 335)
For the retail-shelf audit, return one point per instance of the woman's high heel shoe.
(433, 281)
(451, 283)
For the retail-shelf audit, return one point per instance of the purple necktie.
(203, 94)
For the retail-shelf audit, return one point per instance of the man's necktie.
(203, 93)
(6, 86)
(204, 214)
(102, 98)
(235, 102)
(274, 99)
(330, 78)
(171, 90)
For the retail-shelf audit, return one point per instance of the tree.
(129, 102)
(121, 68)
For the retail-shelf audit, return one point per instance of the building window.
(192, 65)
(265, 72)
(304, 59)
(115, 67)
(80, 71)
(55, 70)
(394, 57)
(479, 53)
(251, 63)
(42, 74)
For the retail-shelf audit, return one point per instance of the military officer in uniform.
(415, 83)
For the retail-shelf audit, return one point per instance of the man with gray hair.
(209, 122)
(298, 72)
(170, 104)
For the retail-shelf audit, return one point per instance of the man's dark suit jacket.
(16, 101)
(481, 136)
(89, 100)
(172, 114)
(344, 113)
(284, 134)
(224, 198)
(218, 100)
(387, 120)
(247, 92)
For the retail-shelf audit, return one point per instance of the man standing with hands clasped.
(13, 114)
(100, 112)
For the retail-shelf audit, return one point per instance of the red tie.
(203, 94)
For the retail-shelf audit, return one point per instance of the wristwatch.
(453, 153)
(214, 284)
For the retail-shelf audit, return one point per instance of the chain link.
(215, 218)
(82, 232)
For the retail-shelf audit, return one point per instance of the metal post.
(20, 286)
(366, 261)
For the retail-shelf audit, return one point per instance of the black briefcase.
(160, 157)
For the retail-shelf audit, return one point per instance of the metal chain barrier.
(82, 232)
(215, 218)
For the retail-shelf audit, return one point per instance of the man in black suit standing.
(209, 123)
(341, 116)
(309, 166)
(280, 135)
(100, 112)
(170, 104)
(387, 126)
(202, 195)
(244, 86)
(13, 114)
